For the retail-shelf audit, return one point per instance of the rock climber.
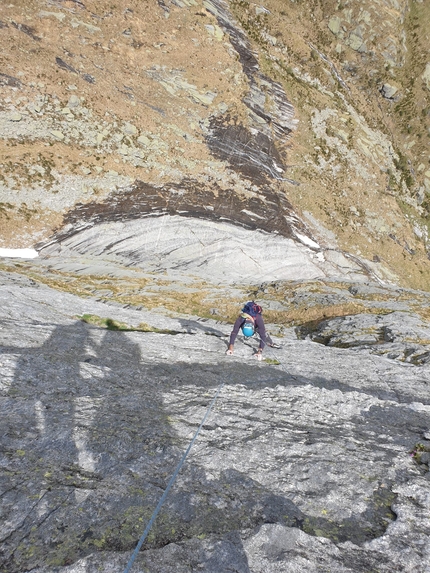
(250, 321)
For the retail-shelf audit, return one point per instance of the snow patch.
(19, 253)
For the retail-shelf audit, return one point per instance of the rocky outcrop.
(272, 112)
(236, 109)
(170, 160)
(406, 341)
(307, 457)
(215, 252)
(263, 210)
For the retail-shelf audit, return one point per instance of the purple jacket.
(259, 327)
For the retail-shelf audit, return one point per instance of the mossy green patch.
(111, 324)
(272, 361)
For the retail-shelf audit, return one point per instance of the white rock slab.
(214, 251)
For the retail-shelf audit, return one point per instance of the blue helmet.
(248, 329)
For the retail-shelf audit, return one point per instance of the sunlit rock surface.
(305, 463)
(253, 114)
(182, 156)
(216, 252)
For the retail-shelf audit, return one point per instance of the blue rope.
(169, 485)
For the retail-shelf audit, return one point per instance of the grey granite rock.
(401, 335)
(303, 466)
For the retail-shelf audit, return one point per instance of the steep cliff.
(169, 160)
(305, 119)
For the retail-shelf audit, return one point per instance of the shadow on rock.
(191, 326)
(94, 449)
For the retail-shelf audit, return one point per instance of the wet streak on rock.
(279, 120)
(255, 156)
(269, 211)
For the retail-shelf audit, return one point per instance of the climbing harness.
(169, 485)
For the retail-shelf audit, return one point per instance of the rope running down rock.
(169, 485)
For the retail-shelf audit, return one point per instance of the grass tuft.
(111, 324)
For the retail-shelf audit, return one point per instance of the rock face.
(225, 110)
(305, 463)
(373, 331)
(170, 160)
(214, 252)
